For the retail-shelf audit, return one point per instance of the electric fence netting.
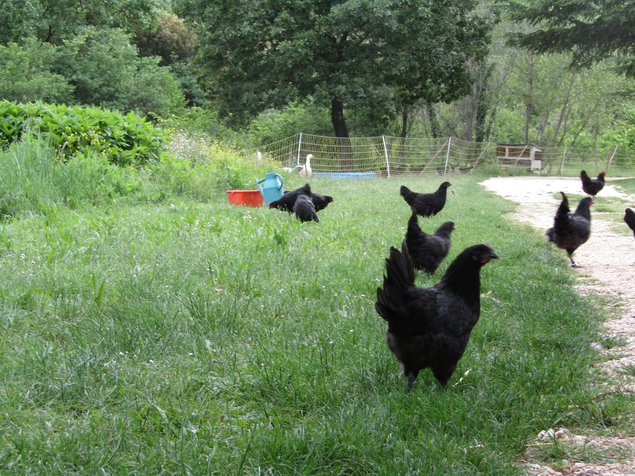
(387, 156)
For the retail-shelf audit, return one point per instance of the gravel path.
(607, 263)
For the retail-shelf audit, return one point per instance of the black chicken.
(571, 230)
(430, 327)
(287, 201)
(304, 209)
(320, 201)
(592, 186)
(427, 251)
(629, 219)
(426, 204)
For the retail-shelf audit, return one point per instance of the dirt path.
(607, 263)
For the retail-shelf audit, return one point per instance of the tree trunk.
(529, 106)
(434, 123)
(564, 112)
(337, 118)
(404, 121)
(339, 126)
(483, 102)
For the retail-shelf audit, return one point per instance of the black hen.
(629, 219)
(320, 201)
(427, 251)
(287, 201)
(304, 209)
(571, 230)
(426, 204)
(592, 186)
(430, 327)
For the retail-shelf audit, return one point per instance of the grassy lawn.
(191, 336)
(612, 209)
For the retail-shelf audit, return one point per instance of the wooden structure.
(519, 155)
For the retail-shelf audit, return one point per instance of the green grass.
(612, 209)
(190, 336)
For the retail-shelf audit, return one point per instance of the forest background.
(252, 74)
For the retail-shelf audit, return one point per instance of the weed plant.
(186, 335)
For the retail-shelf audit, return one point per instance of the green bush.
(105, 68)
(208, 167)
(122, 139)
(273, 125)
(27, 73)
(205, 121)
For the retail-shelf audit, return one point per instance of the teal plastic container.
(271, 187)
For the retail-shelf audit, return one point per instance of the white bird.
(305, 170)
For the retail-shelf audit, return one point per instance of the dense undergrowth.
(33, 180)
(149, 326)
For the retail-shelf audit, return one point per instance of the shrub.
(105, 68)
(122, 139)
(204, 121)
(209, 167)
(273, 125)
(27, 73)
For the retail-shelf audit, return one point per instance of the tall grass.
(32, 180)
(191, 336)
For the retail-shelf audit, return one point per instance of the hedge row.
(125, 139)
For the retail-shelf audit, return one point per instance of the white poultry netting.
(388, 156)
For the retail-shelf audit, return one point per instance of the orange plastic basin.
(249, 198)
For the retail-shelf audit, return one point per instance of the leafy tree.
(52, 21)
(174, 43)
(106, 70)
(592, 31)
(27, 73)
(172, 40)
(257, 55)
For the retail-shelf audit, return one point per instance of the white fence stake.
(608, 162)
(383, 138)
(447, 157)
(564, 156)
(299, 147)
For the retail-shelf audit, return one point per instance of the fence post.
(564, 155)
(447, 156)
(610, 159)
(383, 138)
(299, 147)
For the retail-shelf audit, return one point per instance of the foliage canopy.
(592, 31)
(257, 55)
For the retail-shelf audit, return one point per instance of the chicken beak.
(493, 255)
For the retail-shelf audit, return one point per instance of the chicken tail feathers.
(407, 194)
(551, 235)
(562, 214)
(398, 279)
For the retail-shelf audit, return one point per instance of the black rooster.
(430, 327)
(426, 204)
(304, 209)
(427, 251)
(592, 186)
(287, 201)
(320, 201)
(571, 230)
(629, 219)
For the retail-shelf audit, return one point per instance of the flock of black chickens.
(430, 327)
